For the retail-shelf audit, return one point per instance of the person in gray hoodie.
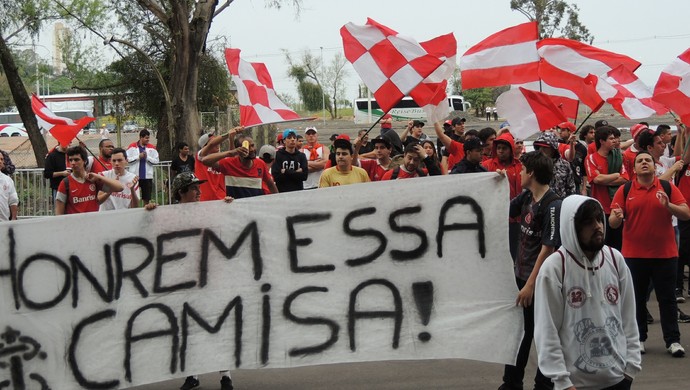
(585, 329)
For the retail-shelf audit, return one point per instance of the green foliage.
(480, 98)
(555, 18)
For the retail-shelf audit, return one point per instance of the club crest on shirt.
(92, 187)
(576, 297)
(528, 218)
(611, 293)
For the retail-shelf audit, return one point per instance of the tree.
(554, 17)
(309, 81)
(334, 80)
(173, 34)
(480, 98)
(21, 18)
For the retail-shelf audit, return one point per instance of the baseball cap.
(569, 126)
(333, 137)
(288, 132)
(637, 129)
(279, 138)
(343, 141)
(267, 149)
(203, 140)
(601, 122)
(472, 144)
(417, 123)
(184, 180)
(546, 139)
(457, 120)
(504, 125)
(448, 123)
(310, 128)
(381, 140)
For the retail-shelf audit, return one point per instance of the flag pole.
(90, 152)
(584, 120)
(375, 123)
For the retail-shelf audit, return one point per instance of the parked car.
(130, 127)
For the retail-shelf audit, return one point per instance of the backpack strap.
(396, 172)
(667, 188)
(626, 189)
(613, 259)
(66, 181)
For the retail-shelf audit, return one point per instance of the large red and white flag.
(564, 99)
(567, 63)
(528, 112)
(627, 94)
(506, 57)
(673, 87)
(430, 94)
(390, 64)
(259, 103)
(63, 129)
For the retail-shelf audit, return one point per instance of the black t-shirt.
(180, 166)
(539, 226)
(578, 163)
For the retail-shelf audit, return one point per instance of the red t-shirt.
(99, 165)
(402, 174)
(648, 230)
(512, 173)
(373, 168)
(629, 161)
(214, 188)
(82, 197)
(596, 165)
(456, 152)
(562, 148)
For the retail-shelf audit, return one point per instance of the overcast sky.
(651, 31)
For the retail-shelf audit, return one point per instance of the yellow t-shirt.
(332, 177)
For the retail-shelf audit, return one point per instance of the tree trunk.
(23, 103)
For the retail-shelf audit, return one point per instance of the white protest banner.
(407, 269)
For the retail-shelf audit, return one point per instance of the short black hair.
(602, 134)
(181, 145)
(584, 131)
(101, 142)
(485, 133)
(119, 150)
(472, 133)
(539, 164)
(144, 133)
(77, 150)
(645, 140)
(662, 129)
(589, 211)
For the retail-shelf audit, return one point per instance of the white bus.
(13, 119)
(405, 110)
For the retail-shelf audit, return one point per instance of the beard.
(593, 244)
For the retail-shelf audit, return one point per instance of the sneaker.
(650, 319)
(226, 383)
(642, 350)
(679, 296)
(190, 383)
(682, 317)
(676, 350)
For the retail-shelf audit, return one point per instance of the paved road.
(659, 372)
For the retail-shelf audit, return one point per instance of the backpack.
(664, 183)
(396, 172)
(613, 260)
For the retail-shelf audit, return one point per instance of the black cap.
(417, 123)
(333, 137)
(381, 140)
(472, 144)
(600, 123)
(457, 120)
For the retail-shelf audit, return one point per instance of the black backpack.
(664, 183)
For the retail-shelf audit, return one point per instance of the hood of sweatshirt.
(505, 138)
(569, 238)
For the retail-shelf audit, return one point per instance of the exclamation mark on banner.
(423, 293)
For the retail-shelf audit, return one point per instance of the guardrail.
(35, 195)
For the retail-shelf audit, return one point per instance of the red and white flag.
(673, 87)
(506, 57)
(63, 129)
(430, 94)
(627, 94)
(567, 63)
(528, 112)
(390, 65)
(259, 103)
(564, 99)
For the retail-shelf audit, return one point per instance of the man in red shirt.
(600, 178)
(212, 184)
(376, 168)
(105, 152)
(454, 149)
(505, 163)
(78, 192)
(414, 155)
(645, 203)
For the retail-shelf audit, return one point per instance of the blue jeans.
(662, 272)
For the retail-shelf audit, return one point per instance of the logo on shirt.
(596, 344)
(576, 297)
(611, 293)
(92, 187)
(528, 218)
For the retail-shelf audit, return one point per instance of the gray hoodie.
(585, 329)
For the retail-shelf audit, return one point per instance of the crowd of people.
(595, 224)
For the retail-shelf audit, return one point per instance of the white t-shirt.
(120, 200)
(8, 196)
(313, 177)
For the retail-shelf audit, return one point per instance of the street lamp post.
(168, 101)
(323, 92)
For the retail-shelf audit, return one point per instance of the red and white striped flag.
(63, 129)
(627, 94)
(564, 99)
(673, 87)
(390, 65)
(259, 103)
(528, 112)
(430, 94)
(506, 57)
(567, 63)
